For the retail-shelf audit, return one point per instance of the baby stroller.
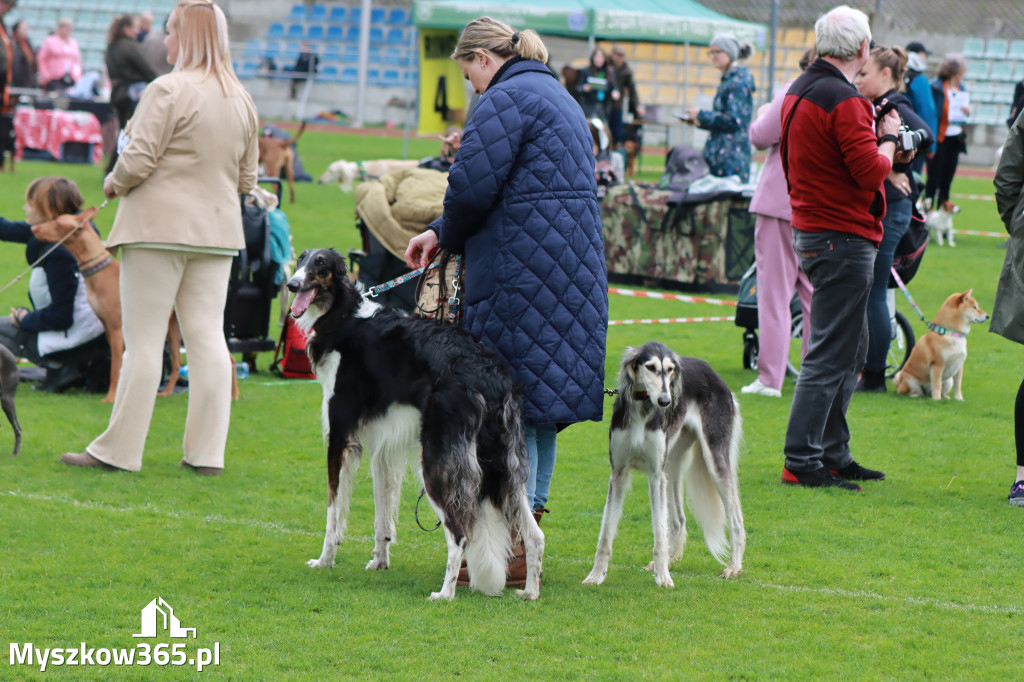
(746, 316)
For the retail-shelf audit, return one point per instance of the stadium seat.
(315, 32)
(337, 15)
(247, 69)
(334, 34)
(378, 15)
(396, 36)
(332, 53)
(351, 53)
(352, 34)
(295, 32)
(291, 52)
(328, 73)
(318, 13)
(1001, 71)
(275, 31)
(252, 49)
(395, 57)
(995, 49)
(391, 77)
(1016, 50)
(376, 36)
(373, 76)
(272, 50)
(349, 75)
(974, 47)
(298, 13)
(398, 17)
(355, 15)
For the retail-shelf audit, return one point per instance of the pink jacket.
(56, 58)
(771, 198)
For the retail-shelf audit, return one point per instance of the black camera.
(909, 140)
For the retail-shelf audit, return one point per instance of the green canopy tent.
(674, 21)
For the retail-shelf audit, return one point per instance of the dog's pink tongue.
(302, 301)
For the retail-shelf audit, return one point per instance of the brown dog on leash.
(10, 375)
(102, 276)
(277, 157)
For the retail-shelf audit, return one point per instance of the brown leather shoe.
(84, 459)
(204, 471)
(515, 574)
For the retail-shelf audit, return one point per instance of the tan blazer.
(192, 151)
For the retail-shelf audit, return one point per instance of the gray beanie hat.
(727, 43)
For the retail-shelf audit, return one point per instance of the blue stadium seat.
(328, 73)
(396, 36)
(252, 49)
(398, 17)
(352, 34)
(332, 53)
(355, 15)
(351, 53)
(316, 32)
(391, 77)
(337, 15)
(334, 33)
(395, 57)
(349, 75)
(376, 36)
(373, 76)
(295, 32)
(298, 13)
(378, 15)
(272, 50)
(291, 52)
(276, 30)
(247, 69)
(318, 13)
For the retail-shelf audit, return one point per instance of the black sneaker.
(818, 478)
(1017, 494)
(855, 472)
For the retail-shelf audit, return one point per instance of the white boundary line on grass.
(274, 527)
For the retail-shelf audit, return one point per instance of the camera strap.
(784, 142)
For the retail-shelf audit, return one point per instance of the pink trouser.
(154, 282)
(778, 274)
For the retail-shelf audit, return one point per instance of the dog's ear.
(338, 270)
(629, 358)
(968, 293)
(302, 256)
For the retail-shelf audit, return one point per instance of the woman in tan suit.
(187, 153)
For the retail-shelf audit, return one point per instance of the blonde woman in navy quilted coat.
(522, 206)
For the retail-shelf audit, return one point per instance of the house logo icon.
(159, 614)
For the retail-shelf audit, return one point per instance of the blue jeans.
(541, 442)
(840, 267)
(896, 222)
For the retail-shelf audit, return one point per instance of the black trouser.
(941, 169)
(125, 109)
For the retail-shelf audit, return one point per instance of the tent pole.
(771, 54)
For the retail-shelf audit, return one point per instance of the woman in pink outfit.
(59, 56)
(778, 271)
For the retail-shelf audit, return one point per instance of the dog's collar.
(942, 331)
(362, 171)
(91, 270)
(640, 395)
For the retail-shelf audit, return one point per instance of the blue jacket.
(727, 150)
(522, 206)
(61, 274)
(919, 92)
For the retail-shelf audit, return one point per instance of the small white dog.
(346, 172)
(940, 222)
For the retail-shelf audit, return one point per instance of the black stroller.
(746, 316)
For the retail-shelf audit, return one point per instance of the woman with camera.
(879, 81)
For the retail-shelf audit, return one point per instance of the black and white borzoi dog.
(393, 385)
(675, 420)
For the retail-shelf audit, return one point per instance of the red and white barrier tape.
(671, 297)
(668, 320)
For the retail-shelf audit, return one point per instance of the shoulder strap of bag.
(784, 142)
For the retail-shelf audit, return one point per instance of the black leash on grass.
(416, 513)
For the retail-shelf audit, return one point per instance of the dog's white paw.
(441, 596)
(594, 579)
(377, 565)
(528, 595)
(320, 563)
(665, 581)
(731, 572)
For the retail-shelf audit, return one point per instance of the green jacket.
(1008, 310)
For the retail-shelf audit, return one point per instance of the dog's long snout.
(294, 284)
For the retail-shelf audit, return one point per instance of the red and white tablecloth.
(50, 128)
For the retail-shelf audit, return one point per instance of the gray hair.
(840, 32)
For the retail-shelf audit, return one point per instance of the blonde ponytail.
(499, 39)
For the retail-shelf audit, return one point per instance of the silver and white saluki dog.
(675, 420)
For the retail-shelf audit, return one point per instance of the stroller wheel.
(750, 349)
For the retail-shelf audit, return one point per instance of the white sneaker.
(757, 388)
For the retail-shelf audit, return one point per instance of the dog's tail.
(295, 138)
(488, 554)
(704, 493)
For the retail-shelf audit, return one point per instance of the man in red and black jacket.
(6, 75)
(835, 161)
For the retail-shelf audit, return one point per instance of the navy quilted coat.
(522, 206)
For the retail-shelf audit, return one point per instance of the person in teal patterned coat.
(727, 150)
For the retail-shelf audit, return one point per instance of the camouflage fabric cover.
(647, 235)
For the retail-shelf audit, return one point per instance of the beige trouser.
(153, 282)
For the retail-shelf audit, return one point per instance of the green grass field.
(917, 577)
